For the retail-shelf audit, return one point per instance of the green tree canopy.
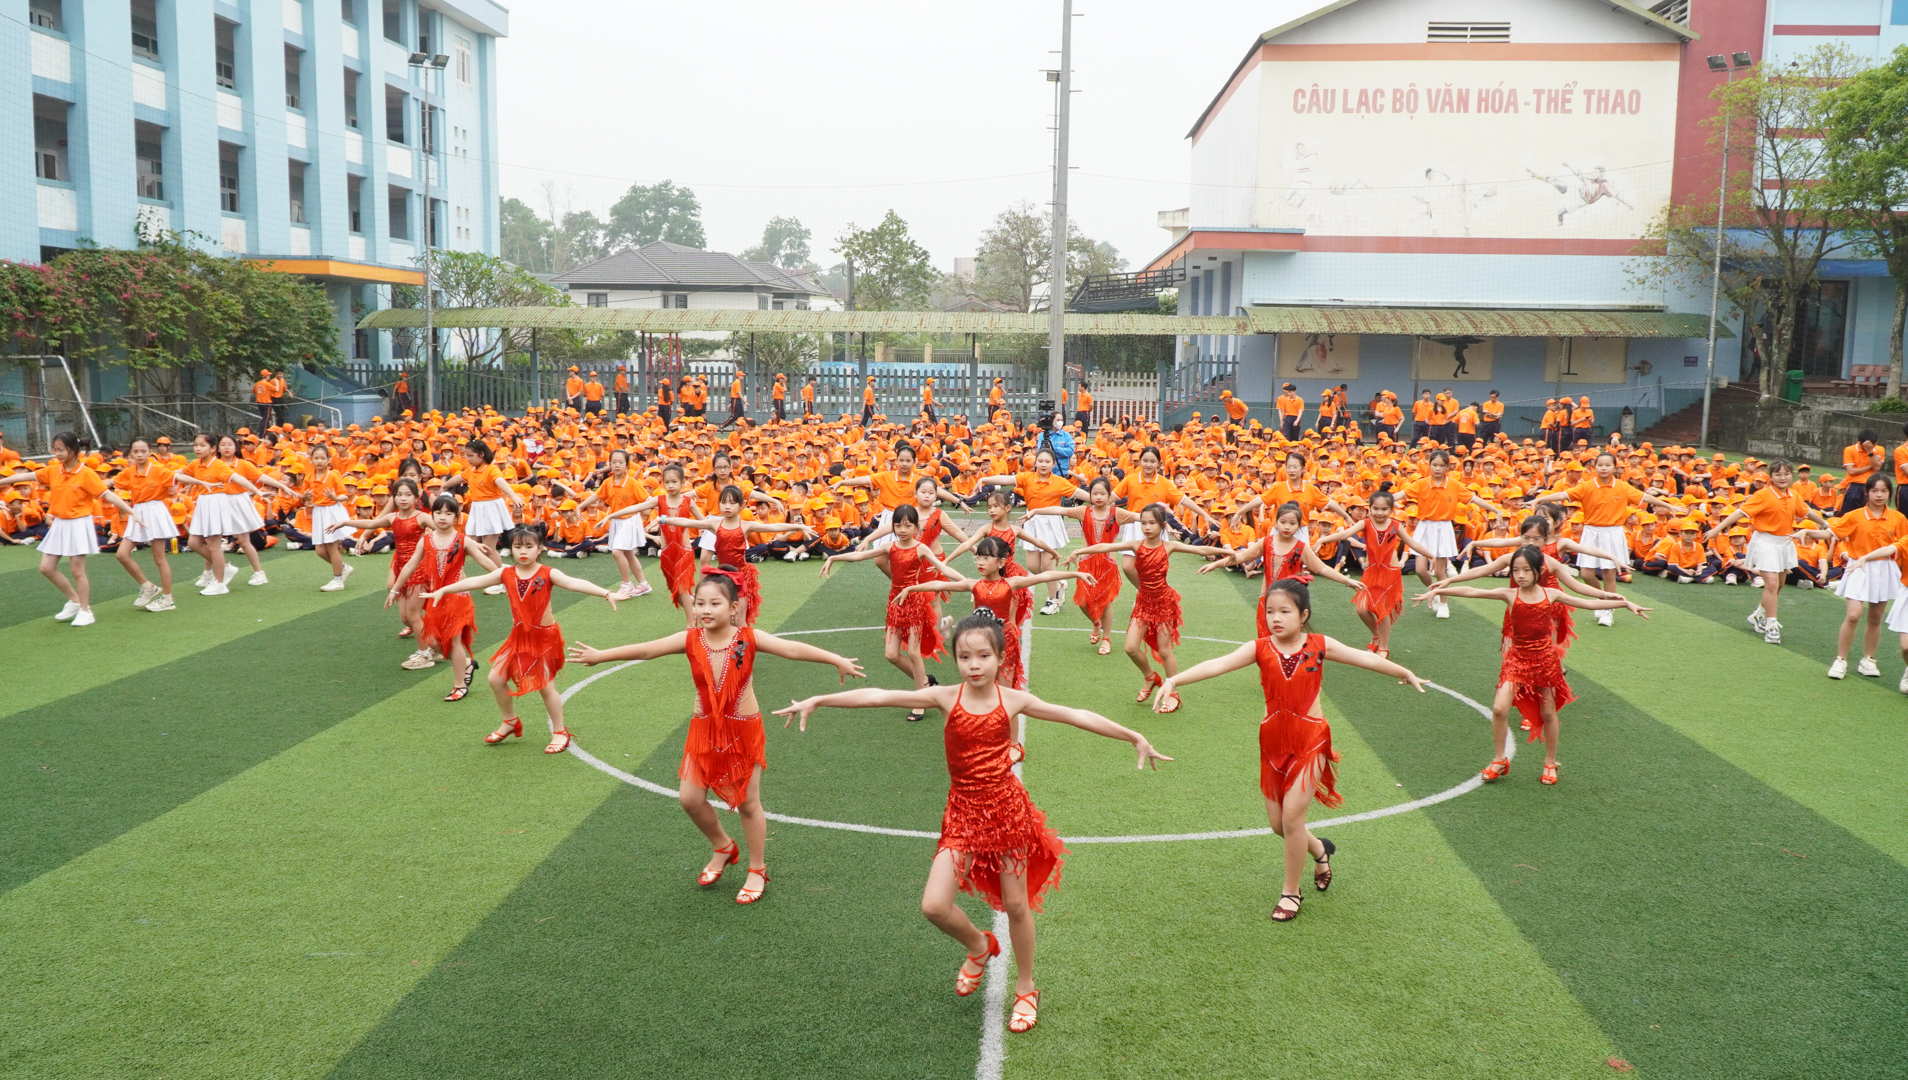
(1013, 264)
(784, 243)
(892, 272)
(1866, 140)
(660, 211)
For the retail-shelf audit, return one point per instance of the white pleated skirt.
(1050, 528)
(1770, 554)
(70, 536)
(626, 534)
(325, 524)
(1870, 582)
(213, 515)
(151, 522)
(1437, 537)
(1898, 615)
(488, 517)
(241, 513)
(885, 520)
(1610, 538)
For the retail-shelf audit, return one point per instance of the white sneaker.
(1443, 610)
(346, 576)
(258, 578)
(1839, 669)
(1805, 583)
(146, 594)
(1772, 631)
(1606, 617)
(418, 661)
(230, 573)
(1756, 581)
(204, 579)
(789, 555)
(1684, 579)
(217, 588)
(1867, 668)
(643, 588)
(1051, 607)
(1756, 621)
(66, 613)
(334, 585)
(1730, 579)
(1903, 684)
(801, 556)
(163, 603)
(84, 618)
(494, 590)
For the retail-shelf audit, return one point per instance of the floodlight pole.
(1057, 277)
(424, 64)
(1715, 276)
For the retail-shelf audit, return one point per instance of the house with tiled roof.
(662, 274)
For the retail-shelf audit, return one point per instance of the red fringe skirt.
(452, 618)
(916, 614)
(530, 657)
(1383, 594)
(1288, 747)
(725, 752)
(1534, 671)
(751, 591)
(1094, 599)
(1159, 618)
(996, 829)
(679, 572)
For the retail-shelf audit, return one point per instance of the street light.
(1718, 63)
(422, 63)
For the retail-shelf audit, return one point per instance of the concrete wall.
(1780, 430)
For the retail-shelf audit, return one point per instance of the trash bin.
(1792, 386)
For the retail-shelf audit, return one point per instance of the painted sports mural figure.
(1296, 759)
(994, 841)
(725, 751)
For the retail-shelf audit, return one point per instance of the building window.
(351, 98)
(348, 11)
(225, 54)
(1464, 31)
(46, 15)
(599, 299)
(394, 114)
(463, 54)
(361, 345)
(1821, 327)
(354, 203)
(296, 172)
(393, 25)
(229, 178)
(761, 302)
(426, 127)
(778, 305)
(294, 98)
(49, 138)
(145, 29)
(433, 210)
(400, 213)
(682, 299)
(424, 32)
(151, 165)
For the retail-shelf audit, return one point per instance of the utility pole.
(1057, 277)
(1717, 63)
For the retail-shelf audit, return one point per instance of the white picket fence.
(1119, 395)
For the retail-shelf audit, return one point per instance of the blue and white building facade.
(296, 132)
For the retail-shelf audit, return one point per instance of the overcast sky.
(837, 111)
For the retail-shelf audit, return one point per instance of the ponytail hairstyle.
(407, 482)
(1533, 557)
(73, 442)
(1101, 482)
(982, 621)
(531, 533)
(1001, 496)
(1301, 598)
(1539, 521)
(731, 493)
(720, 577)
(1159, 512)
(906, 512)
(1292, 508)
(447, 502)
(481, 449)
(993, 547)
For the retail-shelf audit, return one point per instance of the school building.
(1421, 194)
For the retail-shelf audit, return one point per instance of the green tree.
(784, 243)
(1014, 261)
(526, 236)
(1776, 210)
(789, 354)
(473, 279)
(892, 272)
(660, 211)
(1866, 142)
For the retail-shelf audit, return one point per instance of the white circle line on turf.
(1470, 784)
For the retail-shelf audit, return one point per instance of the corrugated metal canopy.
(719, 320)
(1477, 322)
(1480, 322)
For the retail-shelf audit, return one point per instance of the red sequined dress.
(1009, 605)
(908, 566)
(1533, 659)
(1094, 599)
(732, 549)
(678, 558)
(405, 533)
(1293, 738)
(1005, 534)
(930, 535)
(1564, 626)
(533, 653)
(1383, 594)
(991, 824)
(454, 617)
(1278, 568)
(724, 748)
(1156, 607)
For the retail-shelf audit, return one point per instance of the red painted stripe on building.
(1823, 30)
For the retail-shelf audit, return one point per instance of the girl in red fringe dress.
(1154, 624)
(532, 655)
(1006, 598)
(407, 523)
(678, 559)
(1295, 743)
(1381, 599)
(1288, 557)
(1100, 523)
(913, 632)
(1532, 676)
(1000, 506)
(725, 751)
(994, 841)
(450, 624)
(1536, 532)
(928, 494)
(732, 543)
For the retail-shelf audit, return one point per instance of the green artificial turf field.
(245, 843)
